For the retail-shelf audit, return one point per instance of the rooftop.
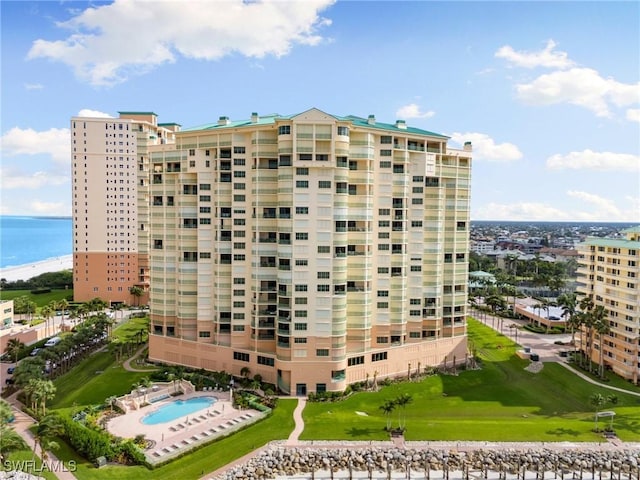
(354, 120)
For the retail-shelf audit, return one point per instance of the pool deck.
(184, 433)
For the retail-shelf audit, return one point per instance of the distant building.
(109, 171)
(6, 311)
(610, 273)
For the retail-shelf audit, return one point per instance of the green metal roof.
(169, 124)
(138, 113)
(612, 242)
(634, 229)
(356, 121)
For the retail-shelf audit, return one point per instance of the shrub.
(41, 290)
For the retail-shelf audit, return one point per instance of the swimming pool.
(177, 409)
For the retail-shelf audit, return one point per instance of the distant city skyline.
(547, 92)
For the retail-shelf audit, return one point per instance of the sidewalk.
(22, 423)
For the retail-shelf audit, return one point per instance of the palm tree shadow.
(562, 432)
(360, 432)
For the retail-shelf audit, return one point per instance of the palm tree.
(46, 429)
(10, 441)
(388, 407)
(6, 413)
(43, 390)
(602, 327)
(14, 347)
(402, 401)
(47, 312)
(62, 305)
(137, 292)
(568, 303)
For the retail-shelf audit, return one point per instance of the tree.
(568, 303)
(13, 349)
(602, 327)
(49, 427)
(47, 312)
(402, 401)
(388, 407)
(62, 305)
(137, 292)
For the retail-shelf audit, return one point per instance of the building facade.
(609, 272)
(313, 250)
(110, 204)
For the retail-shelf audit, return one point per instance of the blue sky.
(547, 92)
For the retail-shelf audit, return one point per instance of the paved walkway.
(299, 422)
(127, 363)
(22, 423)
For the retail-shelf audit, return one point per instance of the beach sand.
(30, 270)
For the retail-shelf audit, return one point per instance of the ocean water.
(31, 239)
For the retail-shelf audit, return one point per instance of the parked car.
(10, 370)
(35, 352)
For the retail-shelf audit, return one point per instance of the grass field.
(500, 402)
(41, 299)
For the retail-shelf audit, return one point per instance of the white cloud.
(85, 112)
(633, 115)
(594, 209)
(55, 142)
(111, 42)
(485, 148)
(589, 160)
(413, 111)
(11, 179)
(33, 86)
(542, 58)
(579, 86)
(529, 211)
(49, 208)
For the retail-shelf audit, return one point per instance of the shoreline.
(30, 270)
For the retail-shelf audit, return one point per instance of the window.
(383, 305)
(416, 268)
(239, 162)
(305, 157)
(300, 313)
(324, 249)
(205, 186)
(302, 236)
(205, 254)
(343, 131)
(269, 362)
(192, 152)
(385, 139)
(203, 198)
(284, 130)
(418, 179)
(385, 153)
(322, 157)
(302, 171)
(324, 288)
(241, 356)
(302, 183)
(285, 161)
(239, 174)
(204, 334)
(239, 150)
(300, 326)
(205, 209)
(157, 244)
(301, 288)
(355, 361)
(385, 164)
(377, 357)
(322, 352)
(324, 184)
(384, 211)
(383, 269)
(383, 247)
(416, 223)
(302, 262)
(383, 293)
(323, 274)
(302, 210)
(416, 201)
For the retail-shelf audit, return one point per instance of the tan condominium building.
(314, 250)
(110, 189)
(610, 273)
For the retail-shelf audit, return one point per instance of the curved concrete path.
(127, 363)
(299, 422)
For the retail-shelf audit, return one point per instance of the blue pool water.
(177, 409)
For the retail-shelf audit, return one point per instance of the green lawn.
(129, 329)
(41, 299)
(205, 460)
(501, 401)
(94, 380)
(14, 458)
